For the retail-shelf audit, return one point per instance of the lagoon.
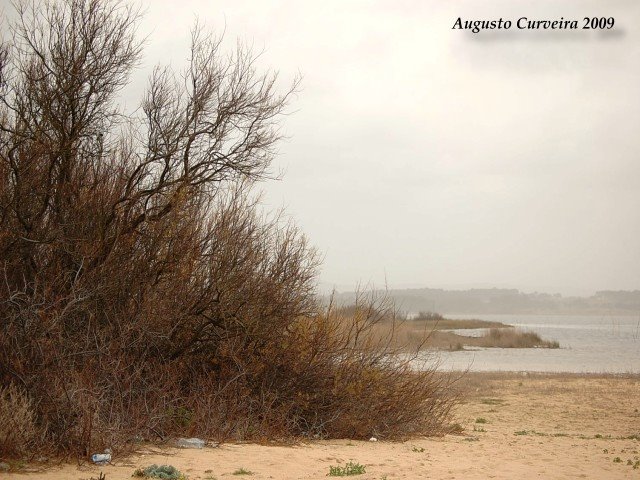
(588, 344)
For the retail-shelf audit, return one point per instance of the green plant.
(478, 429)
(242, 471)
(417, 449)
(349, 469)
(617, 460)
(481, 420)
(163, 472)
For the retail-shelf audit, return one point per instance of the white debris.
(190, 443)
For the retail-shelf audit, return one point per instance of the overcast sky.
(425, 156)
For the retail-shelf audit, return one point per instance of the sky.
(422, 156)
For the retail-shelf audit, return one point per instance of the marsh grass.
(492, 338)
(416, 334)
(435, 321)
(514, 338)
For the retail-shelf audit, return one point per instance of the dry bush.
(143, 293)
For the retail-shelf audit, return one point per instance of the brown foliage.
(143, 293)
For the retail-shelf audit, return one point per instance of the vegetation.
(497, 337)
(349, 469)
(436, 334)
(144, 293)
(164, 472)
(242, 471)
(435, 321)
(493, 338)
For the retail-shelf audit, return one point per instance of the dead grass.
(18, 430)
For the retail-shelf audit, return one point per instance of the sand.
(537, 426)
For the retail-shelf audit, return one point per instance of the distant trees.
(142, 291)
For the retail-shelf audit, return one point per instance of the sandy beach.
(514, 426)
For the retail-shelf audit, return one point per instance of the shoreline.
(512, 374)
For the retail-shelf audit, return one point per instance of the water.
(588, 344)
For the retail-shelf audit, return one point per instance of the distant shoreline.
(502, 301)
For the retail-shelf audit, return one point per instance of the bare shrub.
(143, 292)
